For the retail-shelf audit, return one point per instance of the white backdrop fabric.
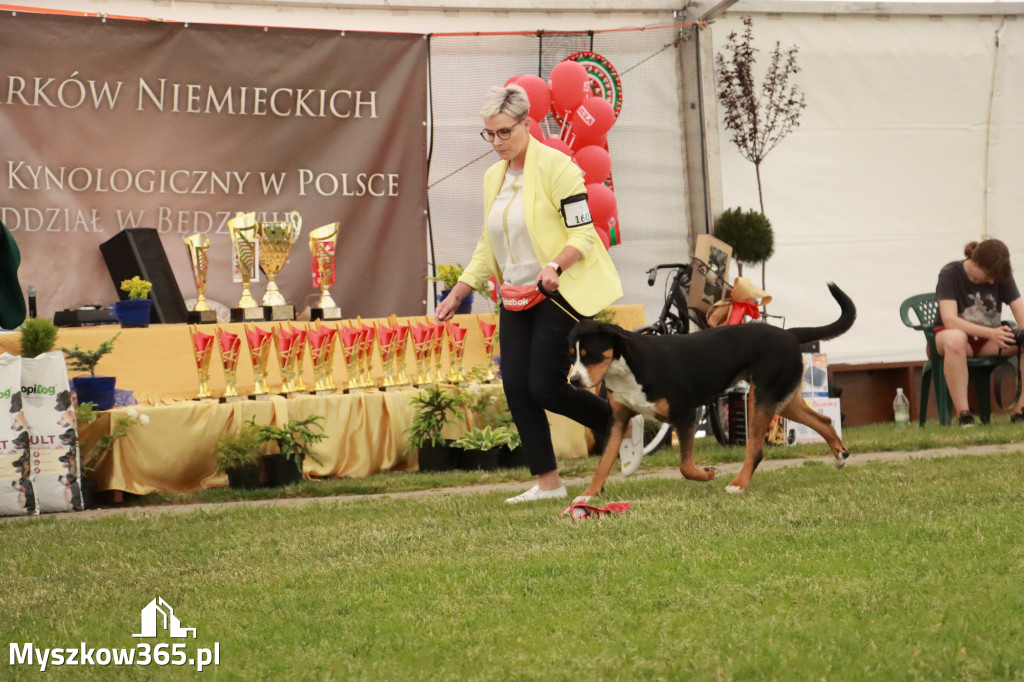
(892, 170)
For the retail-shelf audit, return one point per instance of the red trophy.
(202, 347)
(368, 339)
(488, 330)
(299, 353)
(456, 348)
(260, 342)
(436, 343)
(321, 352)
(421, 349)
(350, 348)
(386, 338)
(230, 344)
(401, 354)
(286, 344)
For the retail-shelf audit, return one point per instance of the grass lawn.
(895, 571)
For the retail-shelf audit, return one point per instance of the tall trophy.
(244, 255)
(321, 247)
(276, 239)
(197, 245)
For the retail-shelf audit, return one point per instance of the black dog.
(669, 377)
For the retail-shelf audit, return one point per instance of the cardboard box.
(710, 272)
(798, 433)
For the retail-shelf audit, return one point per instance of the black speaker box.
(138, 251)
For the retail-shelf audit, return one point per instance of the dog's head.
(69, 438)
(593, 346)
(63, 401)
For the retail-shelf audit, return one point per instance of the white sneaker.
(535, 493)
(631, 452)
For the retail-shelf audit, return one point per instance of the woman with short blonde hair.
(538, 233)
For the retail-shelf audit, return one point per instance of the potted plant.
(748, 233)
(293, 441)
(481, 448)
(238, 455)
(37, 337)
(136, 310)
(448, 276)
(434, 408)
(92, 389)
(489, 408)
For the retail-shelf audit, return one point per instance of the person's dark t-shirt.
(978, 303)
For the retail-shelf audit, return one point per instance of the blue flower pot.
(133, 312)
(98, 390)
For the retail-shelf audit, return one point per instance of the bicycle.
(677, 317)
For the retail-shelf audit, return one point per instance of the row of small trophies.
(266, 244)
(387, 342)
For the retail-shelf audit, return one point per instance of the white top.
(506, 227)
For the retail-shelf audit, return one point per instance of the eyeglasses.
(502, 133)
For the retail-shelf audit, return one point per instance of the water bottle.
(901, 408)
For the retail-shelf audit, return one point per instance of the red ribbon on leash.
(581, 511)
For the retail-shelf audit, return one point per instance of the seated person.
(970, 293)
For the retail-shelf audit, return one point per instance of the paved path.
(724, 469)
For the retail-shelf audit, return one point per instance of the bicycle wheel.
(717, 416)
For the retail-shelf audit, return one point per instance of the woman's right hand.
(1003, 336)
(445, 310)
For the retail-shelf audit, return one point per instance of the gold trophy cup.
(245, 252)
(276, 239)
(321, 247)
(198, 245)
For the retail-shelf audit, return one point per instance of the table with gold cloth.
(174, 451)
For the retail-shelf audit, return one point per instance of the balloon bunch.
(584, 119)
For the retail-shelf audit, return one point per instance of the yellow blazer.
(549, 176)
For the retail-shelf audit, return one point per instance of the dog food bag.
(16, 494)
(53, 433)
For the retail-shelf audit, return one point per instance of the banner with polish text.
(111, 124)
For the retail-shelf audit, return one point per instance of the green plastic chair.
(926, 309)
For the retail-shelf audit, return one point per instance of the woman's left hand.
(548, 278)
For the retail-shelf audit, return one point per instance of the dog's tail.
(846, 318)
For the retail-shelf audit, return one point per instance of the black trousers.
(534, 370)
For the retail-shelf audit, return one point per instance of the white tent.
(915, 114)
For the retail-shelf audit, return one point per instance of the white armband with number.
(576, 211)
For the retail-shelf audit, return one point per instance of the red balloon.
(605, 237)
(536, 131)
(569, 84)
(595, 164)
(593, 118)
(557, 143)
(601, 200)
(538, 93)
(579, 143)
